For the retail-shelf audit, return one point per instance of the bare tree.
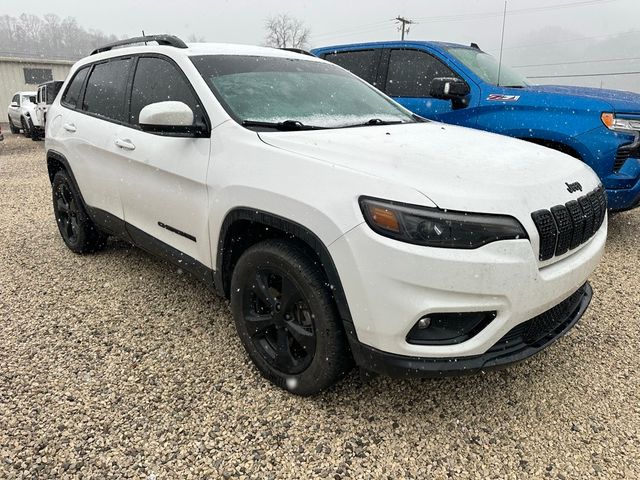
(193, 38)
(284, 31)
(52, 37)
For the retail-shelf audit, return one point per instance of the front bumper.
(521, 342)
(390, 285)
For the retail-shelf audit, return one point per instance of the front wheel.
(78, 231)
(286, 318)
(13, 128)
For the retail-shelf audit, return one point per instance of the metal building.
(25, 74)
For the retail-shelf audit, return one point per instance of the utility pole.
(404, 27)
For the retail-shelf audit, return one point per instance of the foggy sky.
(606, 27)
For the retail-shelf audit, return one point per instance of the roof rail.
(169, 40)
(297, 50)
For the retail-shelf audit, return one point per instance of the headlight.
(438, 228)
(624, 124)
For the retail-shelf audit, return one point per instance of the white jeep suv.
(342, 227)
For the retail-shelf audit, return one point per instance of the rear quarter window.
(72, 93)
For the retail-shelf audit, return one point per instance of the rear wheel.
(286, 318)
(26, 131)
(78, 231)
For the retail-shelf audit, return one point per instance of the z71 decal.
(497, 97)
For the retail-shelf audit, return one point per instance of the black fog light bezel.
(450, 328)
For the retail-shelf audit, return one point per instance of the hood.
(455, 167)
(620, 101)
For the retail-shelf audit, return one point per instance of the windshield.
(28, 99)
(485, 66)
(316, 94)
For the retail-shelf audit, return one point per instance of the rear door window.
(72, 94)
(363, 63)
(411, 73)
(106, 89)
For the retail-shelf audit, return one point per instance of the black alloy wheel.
(67, 211)
(77, 229)
(287, 319)
(279, 320)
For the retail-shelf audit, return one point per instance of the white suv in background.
(21, 110)
(342, 227)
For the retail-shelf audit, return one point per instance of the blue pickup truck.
(465, 86)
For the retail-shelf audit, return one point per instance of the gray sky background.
(591, 30)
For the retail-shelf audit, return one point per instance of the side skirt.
(127, 232)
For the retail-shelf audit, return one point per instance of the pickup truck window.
(485, 66)
(295, 92)
(363, 63)
(411, 72)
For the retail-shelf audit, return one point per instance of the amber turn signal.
(384, 218)
(608, 119)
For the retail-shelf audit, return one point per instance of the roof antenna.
(504, 20)
(145, 43)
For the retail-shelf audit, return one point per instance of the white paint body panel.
(314, 178)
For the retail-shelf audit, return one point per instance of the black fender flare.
(293, 230)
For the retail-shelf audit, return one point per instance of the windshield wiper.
(287, 125)
(375, 121)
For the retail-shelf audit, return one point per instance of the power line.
(586, 75)
(521, 11)
(576, 62)
(355, 29)
(608, 35)
(404, 25)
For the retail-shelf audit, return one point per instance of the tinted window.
(15, 99)
(363, 63)
(157, 80)
(72, 94)
(106, 88)
(411, 73)
(51, 91)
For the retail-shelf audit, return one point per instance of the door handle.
(69, 127)
(125, 143)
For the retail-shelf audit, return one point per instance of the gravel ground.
(117, 365)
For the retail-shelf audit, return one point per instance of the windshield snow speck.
(271, 89)
(486, 66)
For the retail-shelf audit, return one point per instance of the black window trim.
(387, 60)
(128, 93)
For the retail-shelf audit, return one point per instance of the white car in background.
(21, 112)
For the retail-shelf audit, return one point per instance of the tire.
(287, 320)
(14, 130)
(78, 231)
(26, 131)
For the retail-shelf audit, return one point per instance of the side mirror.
(170, 118)
(14, 105)
(452, 89)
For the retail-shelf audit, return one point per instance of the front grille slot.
(565, 227)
